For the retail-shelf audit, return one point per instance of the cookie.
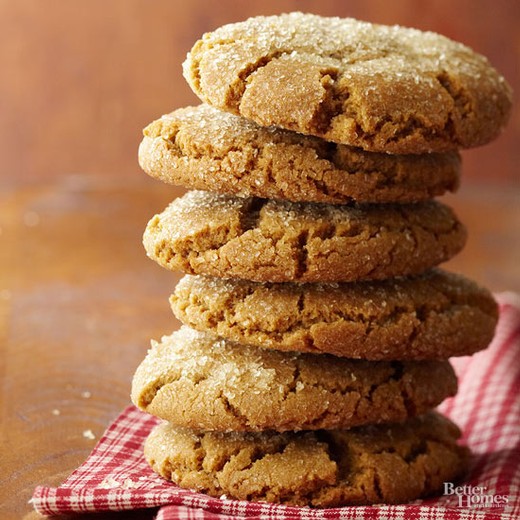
(436, 315)
(367, 465)
(381, 88)
(278, 241)
(195, 380)
(204, 148)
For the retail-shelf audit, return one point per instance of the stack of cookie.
(317, 325)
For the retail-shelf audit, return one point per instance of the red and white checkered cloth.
(487, 408)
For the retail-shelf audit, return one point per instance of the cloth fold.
(115, 477)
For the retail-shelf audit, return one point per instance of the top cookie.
(381, 88)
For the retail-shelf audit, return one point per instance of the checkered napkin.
(487, 408)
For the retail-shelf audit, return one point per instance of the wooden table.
(79, 302)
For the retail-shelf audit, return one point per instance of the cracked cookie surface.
(279, 241)
(435, 315)
(367, 465)
(195, 380)
(204, 148)
(381, 88)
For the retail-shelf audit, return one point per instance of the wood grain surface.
(79, 302)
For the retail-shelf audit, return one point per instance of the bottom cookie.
(393, 463)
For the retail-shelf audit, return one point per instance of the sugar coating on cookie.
(279, 241)
(435, 315)
(196, 380)
(367, 465)
(382, 88)
(204, 148)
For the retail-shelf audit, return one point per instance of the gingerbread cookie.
(435, 315)
(381, 88)
(204, 148)
(367, 465)
(278, 241)
(196, 380)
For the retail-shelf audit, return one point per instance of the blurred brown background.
(79, 80)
